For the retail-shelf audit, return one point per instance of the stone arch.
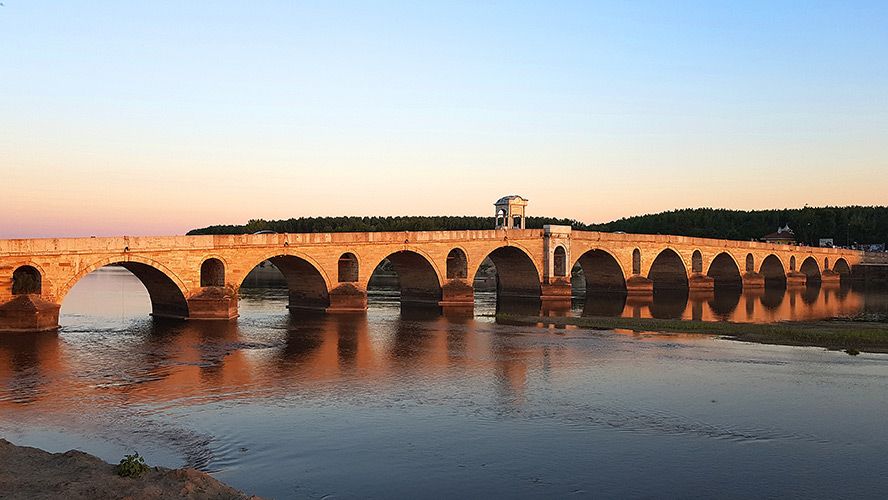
(725, 271)
(516, 273)
(841, 266)
(697, 262)
(826, 263)
(750, 263)
(348, 268)
(773, 271)
(165, 290)
(668, 271)
(417, 278)
(559, 262)
(792, 264)
(811, 269)
(636, 261)
(457, 264)
(27, 280)
(307, 285)
(602, 272)
(212, 272)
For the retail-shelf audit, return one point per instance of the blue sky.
(126, 117)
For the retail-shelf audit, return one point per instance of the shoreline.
(32, 473)
(850, 336)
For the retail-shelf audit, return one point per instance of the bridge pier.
(638, 285)
(796, 280)
(29, 313)
(830, 278)
(457, 293)
(753, 281)
(347, 298)
(213, 302)
(699, 282)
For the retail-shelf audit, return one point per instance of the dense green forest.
(846, 225)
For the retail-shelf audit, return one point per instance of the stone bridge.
(198, 277)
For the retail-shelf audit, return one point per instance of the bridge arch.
(517, 274)
(27, 280)
(602, 271)
(697, 262)
(307, 283)
(841, 266)
(165, 289)
(636, 261)
(418, 280)
(750, 263)
(668, 271)
(348, 268)
(792, 263)
(457, 264)
(810, 269)
(725, 271)
(773, 270)
(212, 272)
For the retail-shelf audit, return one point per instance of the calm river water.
(414, 404)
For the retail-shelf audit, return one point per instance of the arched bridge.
(198, 277)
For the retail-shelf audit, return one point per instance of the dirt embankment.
(29, 473)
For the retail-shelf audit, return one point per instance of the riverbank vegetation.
(848, 334)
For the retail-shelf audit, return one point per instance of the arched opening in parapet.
(636, 261)
(348, 268)
(559, 262)
(810, 269)
(668, 272)
(725, 272)
(772, 270)
(457, 265)
(697, 262)
(407, 277)
(122, 291)
(750, 264)
(600, 272)
(841, 266)
(286, 279)
(26, 280)
(212, 273)
(512, 275)
(792, 264)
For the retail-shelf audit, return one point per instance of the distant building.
(784, 236)
(827, 243)
(510, 212)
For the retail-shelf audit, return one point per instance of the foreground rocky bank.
(30, 473)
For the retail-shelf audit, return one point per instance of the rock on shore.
(30, 473)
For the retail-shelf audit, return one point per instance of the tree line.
(845, 225)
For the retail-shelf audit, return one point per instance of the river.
(415, 404)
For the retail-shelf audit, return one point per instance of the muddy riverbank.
(31, 473)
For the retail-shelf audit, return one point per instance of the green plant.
(132, 466)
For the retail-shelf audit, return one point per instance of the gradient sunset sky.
(160, 116)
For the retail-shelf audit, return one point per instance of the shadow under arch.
(306, 286)
(811, 269)
(601, 272)
(725, 271)
(412, 274)
(516, 274)
(773, 271)
(668, 272)
(165, 291)
(841, 266)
